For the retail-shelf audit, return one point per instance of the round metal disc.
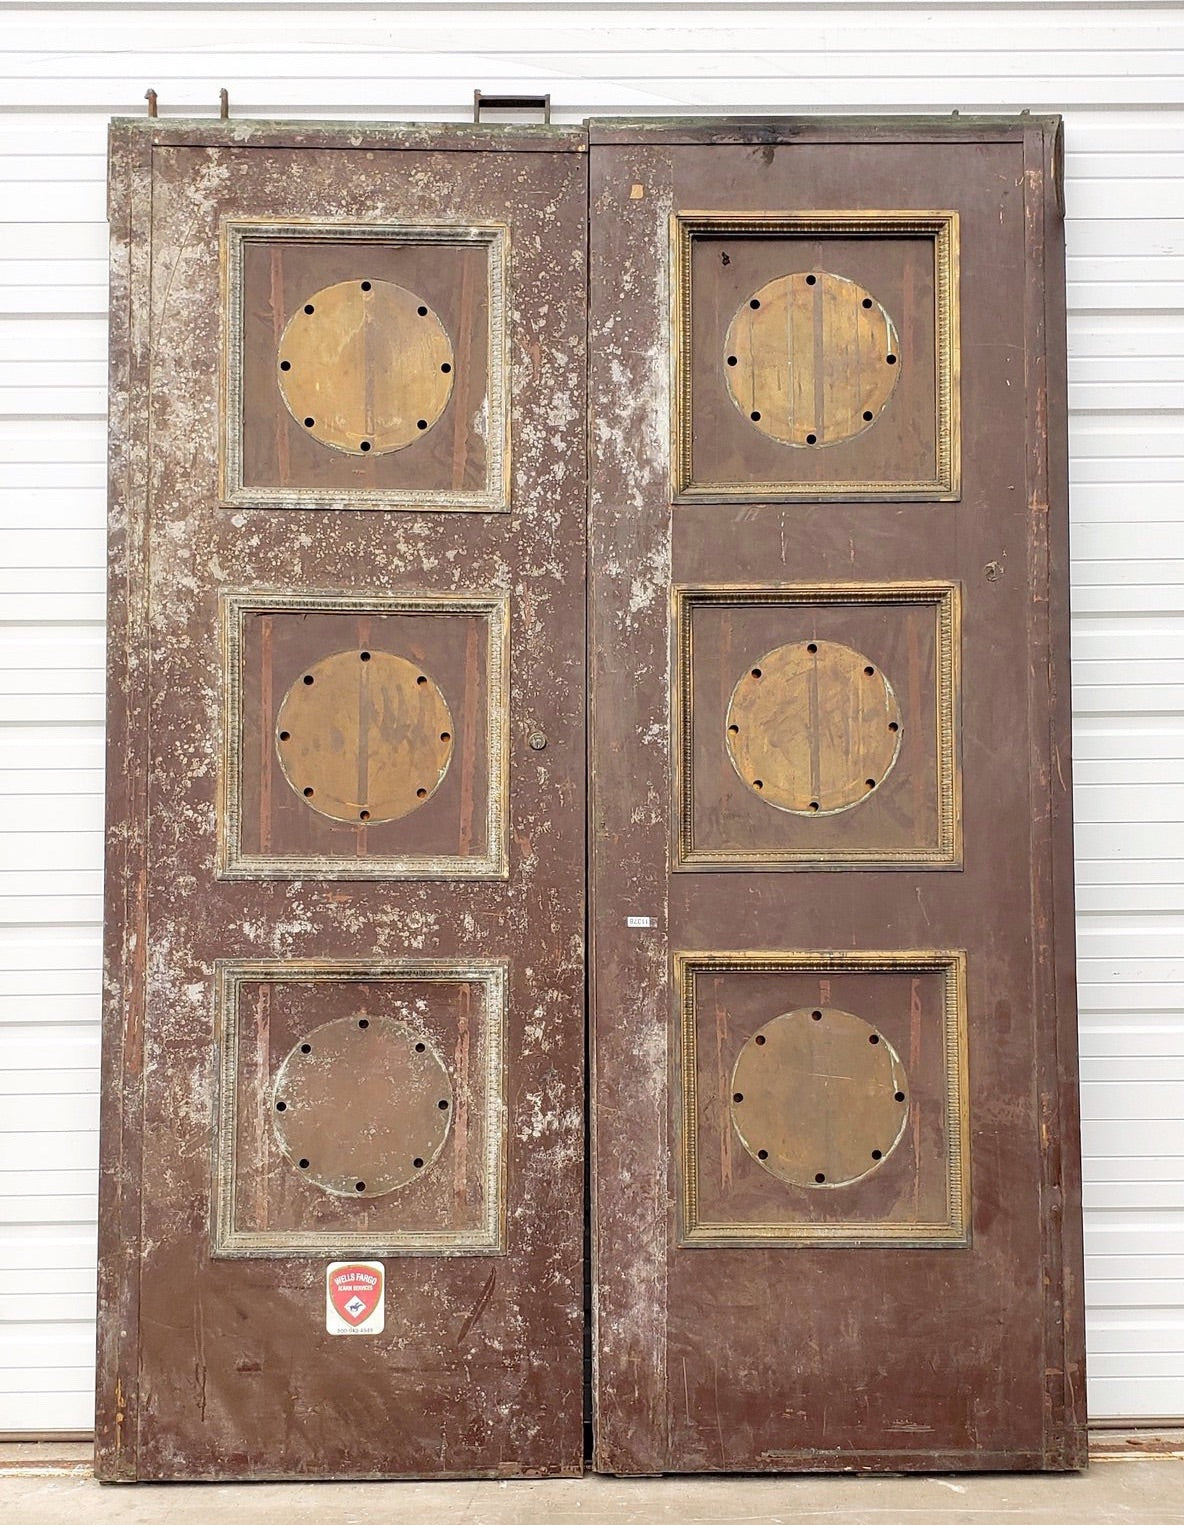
(819, 1097)
(813, 728)
(365, 367)
(364, 736)
(362, 1105)
(811, 359)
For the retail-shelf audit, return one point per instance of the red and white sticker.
(354, 1301)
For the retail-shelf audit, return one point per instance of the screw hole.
(443, 1105)
(363, 1021)
(421, 1048)
(304, 1164)
(306, 1048)
(820, 1178)
(867, 301)
(365, 285)
(422, 311)
(421, 423)
(281, 1106)
(814, 805)
(308, 422)
(870, 782)
(811, 439)
(811, 280)
(285, 735)
(308, 679)
(762, 1154)
(868, 416)
(758, 783)
(445, 735)
(365, 445)
(421, 794)
(420, 681)
(875, 1038)
(732, 360)
(812, 647)
(869, 672)
(893, 725)
(891, 359)
(309, 308)
(754, 303)
(363, 656)
(359, 1186)
(363, 815)
(285, 365)
(756, 672)
(899, 1096)
(418, 1163)
(760, 1039)
(737, 1095)
(733, 730)
(877, 1154)
(817, 1015)
(446, 368)
(308, 794)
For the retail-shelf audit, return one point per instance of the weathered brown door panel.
(834, 1109)
(345, 993)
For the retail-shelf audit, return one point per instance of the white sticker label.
(354, 1297)
(641, 921)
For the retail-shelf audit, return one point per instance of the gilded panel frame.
(227, 1240)
(494, 494)
(946, 599)
(943, 228)
(233, 862)
(951, 1233)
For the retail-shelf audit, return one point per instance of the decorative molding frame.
(943, 228)
(493, 496)
(946, 600)
(952, 1232)
(234, 863)
(227, 1240)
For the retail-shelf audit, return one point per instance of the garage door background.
(1117, 74)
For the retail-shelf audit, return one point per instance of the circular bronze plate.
(811, 359)
(819, 1097)
(813, 728)
(362, 1106)
(364, 736)
(365, 367)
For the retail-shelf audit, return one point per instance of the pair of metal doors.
(796, 387)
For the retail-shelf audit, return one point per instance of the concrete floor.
(52, 1485)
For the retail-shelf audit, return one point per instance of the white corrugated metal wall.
(1117, 73)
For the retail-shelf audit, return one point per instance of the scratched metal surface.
(823, 1357)
(216, 1368)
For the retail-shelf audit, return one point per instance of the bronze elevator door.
(345, 1000)
(834, 1107)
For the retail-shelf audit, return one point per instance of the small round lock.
(537, 741)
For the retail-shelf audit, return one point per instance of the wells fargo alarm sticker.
(354, 1297)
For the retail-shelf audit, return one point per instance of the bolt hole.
(285, 736)
(446, 368)
(421, 1048)
(817, 1015)
(811, 280)
(306, 1048)
(868, 415)
(814, 805)
(754, 303)
(304, 1164)
(820, 1178)
(811, 439)
(867, 301)
(308, 793)
(365, 285)
(363, 1021)
(309, 308)
(875, 1038)
(733, 360)
(363, 656)
(285, 365)
(359, 1186)
(891, 359)
(308, 422)
(762, 1154)
(421, 423)
(365, 445)
(443, 1105)
(418, 1163)
(899, 1096)
(422, 311)
(877, 1154)
(760, 1039)
(812, 647)
(363, 815)
(281, 1106)
(737, 1095)
(893, 725)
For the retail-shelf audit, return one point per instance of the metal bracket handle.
(510, 103)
